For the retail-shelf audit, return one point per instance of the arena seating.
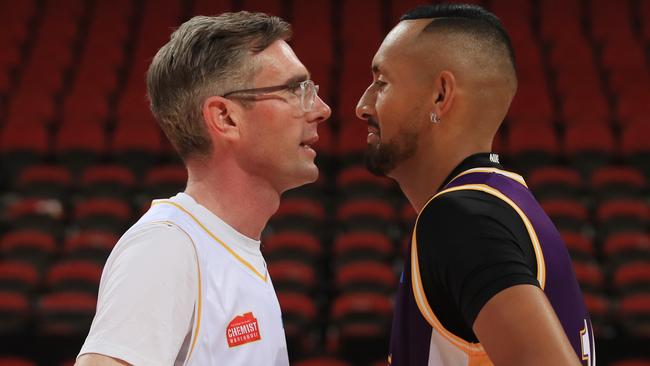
(81, 157)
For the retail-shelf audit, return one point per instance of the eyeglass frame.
(291, 86)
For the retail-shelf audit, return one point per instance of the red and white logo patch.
(243, 329)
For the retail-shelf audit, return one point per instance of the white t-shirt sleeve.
(146, 298)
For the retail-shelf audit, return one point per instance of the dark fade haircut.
(467, 19)
(206, 56)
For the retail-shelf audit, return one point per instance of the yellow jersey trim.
(263, 277)
(508, 174)
(418, 291)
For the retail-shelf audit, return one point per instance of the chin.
(304, 177)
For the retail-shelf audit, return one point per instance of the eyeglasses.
(305, 90)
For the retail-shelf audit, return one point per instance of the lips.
(309, 142)
(373, 126)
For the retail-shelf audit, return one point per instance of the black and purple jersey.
(419, 337)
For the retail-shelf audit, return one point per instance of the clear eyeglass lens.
(309, 91)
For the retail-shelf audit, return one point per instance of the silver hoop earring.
(434, 118)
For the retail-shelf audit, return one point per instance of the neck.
(243, 202)
(420, 176)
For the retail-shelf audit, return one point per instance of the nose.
(364, 108)
(321, 111)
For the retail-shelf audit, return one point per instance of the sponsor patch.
(242, 329)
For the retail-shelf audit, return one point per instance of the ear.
(220, 118)
(445, 91)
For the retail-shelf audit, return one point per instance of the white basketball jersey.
(237, 317)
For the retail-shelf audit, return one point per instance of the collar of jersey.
(511, 175)
(263, 277)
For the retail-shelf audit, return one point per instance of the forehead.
(400, 45)
(277, 63)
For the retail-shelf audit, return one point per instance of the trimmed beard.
(383, 158)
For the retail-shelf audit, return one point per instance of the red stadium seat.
(164, 181)
(559, 19)
(580, 246)
(15, 313)
(615, 182)
(572, 105)
(362, 245)
(589, 146)
(632, 101)
(42, 215)
(79, 145)
(86, 107)
(292, 276)
(625, 247)
(632, 276)
(29, 246)
(625, 53)
(555, 182)
(599, 307)
(208, 7)
(532, 103)
(44, 181)
(533, 145)
(589, 274)
(634, 312)
(273, 7)
(366, 276)
(93, 245)
(357, 181)
(74, 275)
(375, 214)
(567, 214)
(292, 245)
(137, 143)
(579, 65)
(635, 146)
(22, 143)
(361, 42)
(102, 213)
(363, 324)
(610, 20)
(65, 313)
(299, 318)
(107, 181)
(622, 215)
(18, 276)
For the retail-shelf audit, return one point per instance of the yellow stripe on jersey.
(508, 174)
(263, 277)
(425, 308)
(418, 291)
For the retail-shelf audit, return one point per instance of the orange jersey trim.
(473, 350)
(263, 277)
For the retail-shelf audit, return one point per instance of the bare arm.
(95, 359)
(519, 327)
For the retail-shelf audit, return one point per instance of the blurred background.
(81, 157)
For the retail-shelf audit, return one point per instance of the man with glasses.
(187, 284)
(488, 280)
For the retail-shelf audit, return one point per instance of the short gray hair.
(205, 56)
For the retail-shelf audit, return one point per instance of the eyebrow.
(297, 78)
(376, 70)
